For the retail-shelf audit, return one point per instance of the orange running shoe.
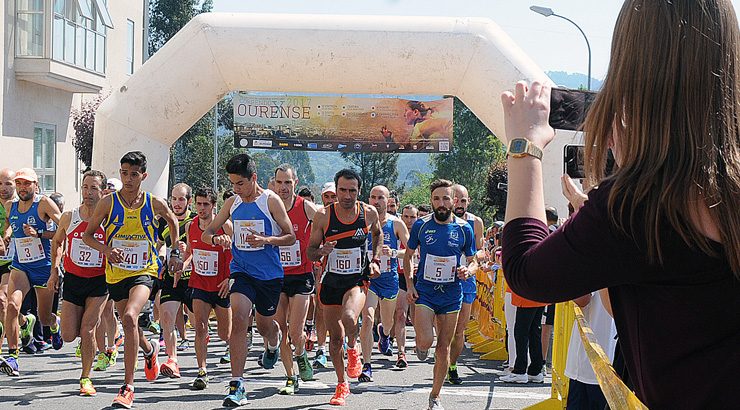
(151, 365)
(170, 369)
(354, 366)
(86, 387)
(340, 394)
(125, 398)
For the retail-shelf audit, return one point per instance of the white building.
(58, 52)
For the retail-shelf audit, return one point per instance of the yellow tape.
(617, 394)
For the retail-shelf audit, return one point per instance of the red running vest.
(294, 258)
(80, 259)
(210, 265)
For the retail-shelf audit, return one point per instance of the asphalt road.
(50, 380)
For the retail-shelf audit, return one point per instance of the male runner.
(261, 226)
(209, 282)
(132, 261)
(85, 292)
(461, 203)
(383, 289)
(409, 215)
(7, 194)
(328, 196)
(175, 290)
(31, 266)
(442, 239)
(339, 232)
(299, 281)
(392, 207)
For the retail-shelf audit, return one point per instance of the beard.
(181, 213)
(460, 211)
(26, 196)
(442, 214)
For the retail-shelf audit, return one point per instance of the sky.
(553, 43)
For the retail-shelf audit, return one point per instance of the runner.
(299, 281)
(462, 201)
(328, 196)
(409, 215)
(442, 239)
(7, 193)
(210, 283)
(383, 289)
(85, 292)
(31, 266)
(131, 260)
(261, 225)
(175, 290)
(344, 243)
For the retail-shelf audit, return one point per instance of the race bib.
(291, 255)
(205, 262)
(85, 256)
(245, 228)
(29, 249)
(440, 269)
(345, 261)
(9, 252)
(135, 254)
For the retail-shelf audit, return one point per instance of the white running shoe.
(515, 378)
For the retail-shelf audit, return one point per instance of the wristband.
(175, 253)
(40, 234)
(375, 261)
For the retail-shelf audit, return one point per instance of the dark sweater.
(678, 324)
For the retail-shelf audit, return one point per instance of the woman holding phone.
(662, 232)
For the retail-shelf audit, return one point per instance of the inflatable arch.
(215, 53)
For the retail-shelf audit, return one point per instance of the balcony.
(62, 43)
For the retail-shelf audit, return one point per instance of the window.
(44, 156)
(29, 28)
(79, 31)
(130, 47)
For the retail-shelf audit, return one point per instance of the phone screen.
(573, 156)
(568, 108)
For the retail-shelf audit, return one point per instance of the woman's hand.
(572, 192)
(526, 113)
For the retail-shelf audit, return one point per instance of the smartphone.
(573, 156)
(568, 108)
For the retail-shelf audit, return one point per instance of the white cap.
(328, 187)
(114, 184)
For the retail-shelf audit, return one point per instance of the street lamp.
(547, 13)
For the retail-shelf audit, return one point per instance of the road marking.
(504, 394)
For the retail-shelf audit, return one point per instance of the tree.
(83, 122)
(496, 189)
(375, 168)
(419, 193)
(167, 17)
(473, 151)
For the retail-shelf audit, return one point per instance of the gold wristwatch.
(521, 147)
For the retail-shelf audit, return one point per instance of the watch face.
(518, 146)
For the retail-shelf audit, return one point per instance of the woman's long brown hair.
(672, 94)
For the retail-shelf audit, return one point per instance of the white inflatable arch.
(215, 53)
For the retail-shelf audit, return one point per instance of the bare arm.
(280, 215)
(583, 301)
(160, 208)
(98, 217)
(57, 242)
(315, 251)
(480, 239)
(402, 233)
(217, 222)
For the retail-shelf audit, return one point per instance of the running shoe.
(9, 366)
(384, 344)
(102, 363)
(389, 352)
(340, 394)
(56, 336)
(154, 328)
(170, 369)
(237, 396)
(435, 403)
(354, 366)
(305, 370)
(184, 345)
(515, 378)
(226, 358)
(87, 388)
(319, 361)
(125, 398)
(422, 355)
(401, 363)
(112, 356)
(367, 374)
(119, 340)
(78, 349)
(269, 358)
(201, 381)
(27, 330)
(151, 365)
(291, 386)
(452, 376)
(540, 378)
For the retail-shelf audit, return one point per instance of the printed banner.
(320, 123)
